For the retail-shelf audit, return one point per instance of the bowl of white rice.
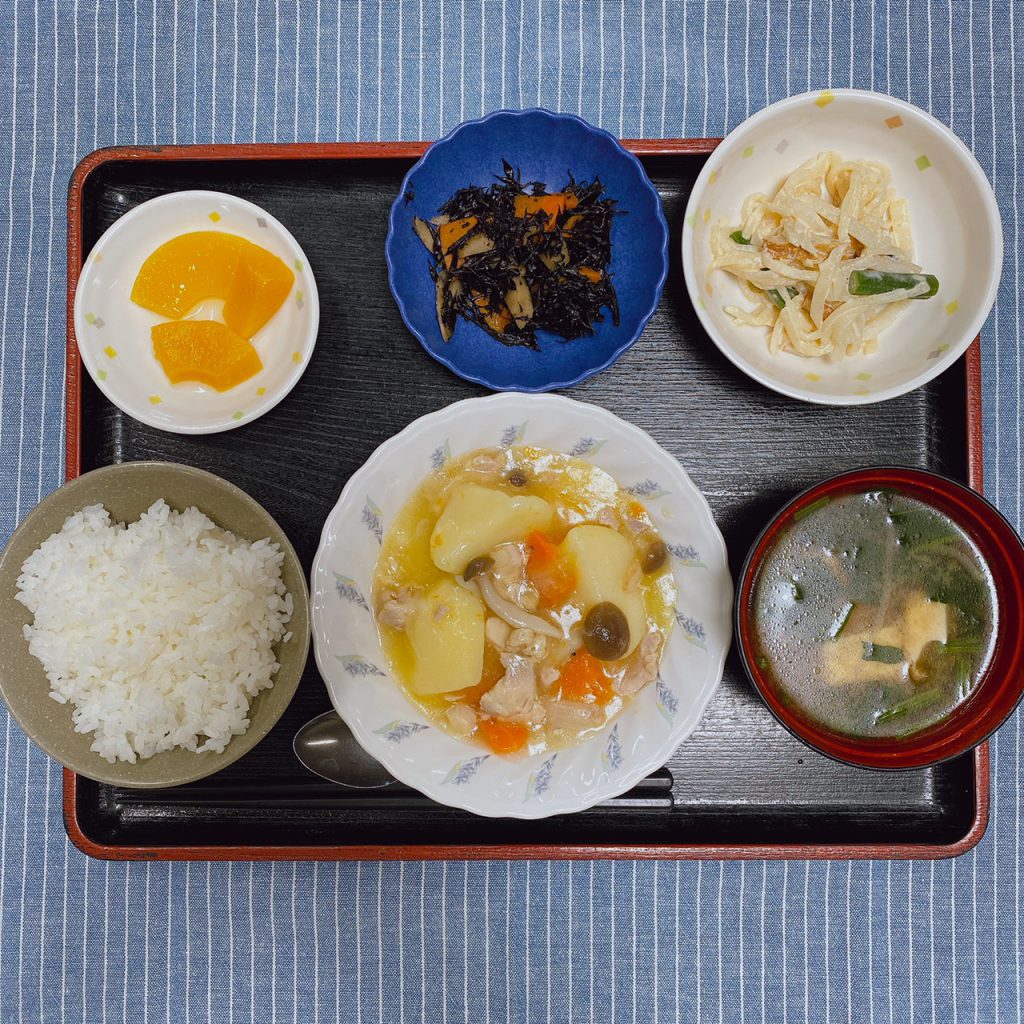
(154, 624)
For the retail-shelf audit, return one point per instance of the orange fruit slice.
(205, 351)
(201, 265)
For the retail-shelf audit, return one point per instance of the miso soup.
(874, 613)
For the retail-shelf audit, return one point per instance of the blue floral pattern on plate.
(586, 446)
(372, 518)
(348, 590)
(440, 455)
(540, 780)
(512, 434)
(357, 665)
(686, 555)
(611, 758)
(667, 701)
(692, 630)
(648, 489)
(396, 731)
(462, 771)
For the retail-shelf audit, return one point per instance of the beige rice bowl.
(159, 632)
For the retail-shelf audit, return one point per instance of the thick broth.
(875, 614)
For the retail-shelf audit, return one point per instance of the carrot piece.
(555, 584)
(503, 737)
(497, 319)
(591, 274)
(553, 206)
(455, 230)
(584, 679)
(549, 572)
(542, 551)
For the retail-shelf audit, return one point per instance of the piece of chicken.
(488, 464)
(509, 575)
(643, 666)
(528, 643)
(571, 715)
(461, 719)
(515, 693)
(396, 608)
(497, 632)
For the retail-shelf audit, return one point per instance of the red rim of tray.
(427, 851)
(1002, 683)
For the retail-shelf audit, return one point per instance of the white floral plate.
(113, 334)
(463, 774)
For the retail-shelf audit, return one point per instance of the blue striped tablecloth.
(841, 942)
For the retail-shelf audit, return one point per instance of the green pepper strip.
(776, 297)
(879, 282)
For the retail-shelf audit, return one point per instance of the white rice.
(159, 633)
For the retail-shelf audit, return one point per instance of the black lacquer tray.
(741, 786)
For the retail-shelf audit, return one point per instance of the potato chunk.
(603, 558)
(476, 519)
(446, 631)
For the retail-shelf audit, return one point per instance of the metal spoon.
(325, 747)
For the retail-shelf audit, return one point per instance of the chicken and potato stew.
(523, 598)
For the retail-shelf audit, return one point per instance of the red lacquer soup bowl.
(1002, 681)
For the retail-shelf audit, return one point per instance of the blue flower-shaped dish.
(544, 147)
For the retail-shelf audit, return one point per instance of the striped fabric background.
(92, 941)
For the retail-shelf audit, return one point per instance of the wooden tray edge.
(72, 449)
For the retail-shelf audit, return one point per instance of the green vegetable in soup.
(841, 620)
(882, 653)
(920, 700)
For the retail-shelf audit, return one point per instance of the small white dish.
(460, 773)
(113, 333)
(954, 216)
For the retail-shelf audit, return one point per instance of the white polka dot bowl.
(458, 772)
(954, 217)
(113, 333)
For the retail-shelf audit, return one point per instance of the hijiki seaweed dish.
(516, 259)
